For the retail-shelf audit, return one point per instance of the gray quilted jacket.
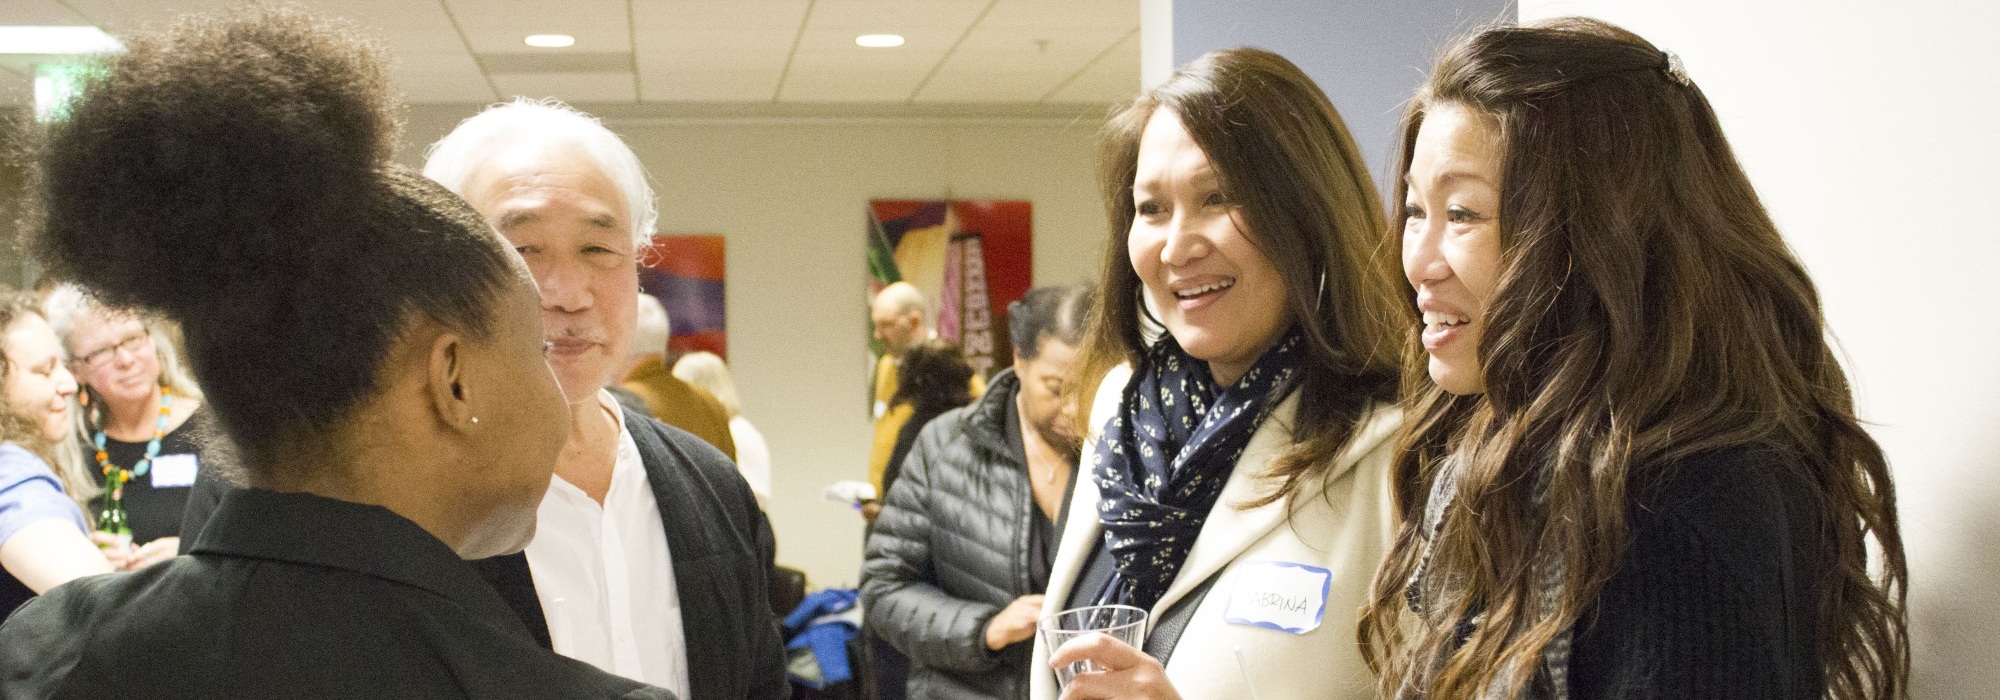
(950, 549)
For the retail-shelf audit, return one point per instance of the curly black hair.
(231, 173)
(934, 377)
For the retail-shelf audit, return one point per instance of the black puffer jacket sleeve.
(932, 627)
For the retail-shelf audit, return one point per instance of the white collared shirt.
(604, 576)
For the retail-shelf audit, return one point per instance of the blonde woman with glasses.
(146, 429)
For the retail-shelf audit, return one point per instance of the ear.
(445, 380)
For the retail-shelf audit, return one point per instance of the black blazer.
(291, 596)
(722, 551)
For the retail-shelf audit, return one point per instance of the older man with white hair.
(651, 559)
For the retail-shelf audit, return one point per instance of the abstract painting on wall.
(686, 274)
(970, 258)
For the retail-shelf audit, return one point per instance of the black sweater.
(1716, 595)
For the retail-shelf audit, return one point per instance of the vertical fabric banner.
(970, 258)
(687, 275)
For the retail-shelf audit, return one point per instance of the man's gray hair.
(453, 159)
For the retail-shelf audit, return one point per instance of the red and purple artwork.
(686, 274)
(970, 258)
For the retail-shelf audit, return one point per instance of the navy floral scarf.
(1166, 455)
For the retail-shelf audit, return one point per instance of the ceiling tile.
(988, 86)
(510, 39)
(386, 16)
(893, 16)
(859, 59)
(117, 16)
(1114, 77)
(497, 26)
(709, 85)
(719, 15)
(720, 50)
(39, 13)
(1042, 15)
(447, 86)
(569, 87)
(718, 60)
(811, 85)
(721, 40)
(563, 62)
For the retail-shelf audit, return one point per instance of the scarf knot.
(1165, 456)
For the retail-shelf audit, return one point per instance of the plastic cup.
(1123, 622)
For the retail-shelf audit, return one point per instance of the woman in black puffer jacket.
(961, 553)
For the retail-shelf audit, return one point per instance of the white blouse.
(604, 577)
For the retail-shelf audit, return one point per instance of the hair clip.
(1676, 71)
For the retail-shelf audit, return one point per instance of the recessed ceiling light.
(879, 41)
(549, 41)
(56, 40)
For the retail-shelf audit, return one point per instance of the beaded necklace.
(145, 463)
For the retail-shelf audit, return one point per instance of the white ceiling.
(797, 53)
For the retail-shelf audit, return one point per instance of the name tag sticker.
(1279, 595)
(174, 471)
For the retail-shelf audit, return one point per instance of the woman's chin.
(1456, 380)
(1203, 343)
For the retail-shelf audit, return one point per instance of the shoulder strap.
(1167, 630)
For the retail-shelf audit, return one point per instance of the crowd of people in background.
(1564, 424)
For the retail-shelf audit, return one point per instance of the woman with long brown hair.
(42, 531)
(1634, 469)
(1239, 446)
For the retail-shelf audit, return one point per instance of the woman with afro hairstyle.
(370, 346)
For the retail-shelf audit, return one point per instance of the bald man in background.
(901, 318)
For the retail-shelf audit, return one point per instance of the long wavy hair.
(1307, 201)
(1647, 310)
(23, 431)
(61, 306)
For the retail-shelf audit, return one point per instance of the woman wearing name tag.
(1235, 483)
(42, 540)
(1635, 470)
(144, 424)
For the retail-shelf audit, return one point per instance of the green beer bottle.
(113, 520)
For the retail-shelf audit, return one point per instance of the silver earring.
(475, 420)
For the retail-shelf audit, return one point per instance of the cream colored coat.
(1342, 522)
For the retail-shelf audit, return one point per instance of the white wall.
(1869, 131)
(790, 195)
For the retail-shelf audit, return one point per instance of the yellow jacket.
(889, 420)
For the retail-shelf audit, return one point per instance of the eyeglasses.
(130, 345)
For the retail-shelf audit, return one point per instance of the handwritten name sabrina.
(1277, 601)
